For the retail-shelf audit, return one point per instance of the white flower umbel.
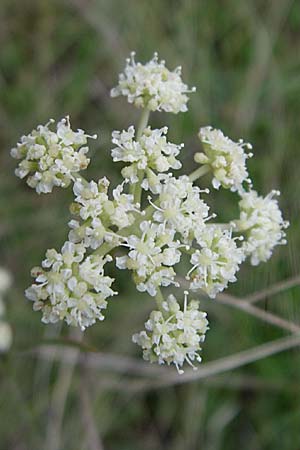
(216, 263)
(151, 255)
(153, 86)
(51, 158)
(180, 207)
(262, 224)
(96, 212)
(173, 335)
(90, 197)
(225, 158)
(151, 154)
(122, 208)
(71, 287)
(149, 220)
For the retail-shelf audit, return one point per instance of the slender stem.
(159, 298)
(227, 363)
(273, 290)
(202, 170)
(136, 188)
(105, 248)
(164, 376)
(59, 396)
(142, 123)
(266, 316)
(137, 191)
(93, 437)
(223, 226)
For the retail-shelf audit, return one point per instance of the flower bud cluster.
(173, 335)
(151, 257)
(70, 286)
(96, 213)
(50, 158)
(262, 223)
(180, 208)
(153, 86)
(5, 329)
(149, 154)
(217, 261)
(225, 158)
(153, 219)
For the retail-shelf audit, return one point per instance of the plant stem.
(105, 248)
(198, 173)
(223, 226)
(137, 191)
(136, 188)
(142, 123)
(59, 396)
(159, 298)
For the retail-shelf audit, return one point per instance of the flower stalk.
(198, 173)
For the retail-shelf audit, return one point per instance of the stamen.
(107, 258)
(180, 371)
(212, 216)
(49, 122)
(187, 247)
(151, 259)
(187, 277)
(153, 204)
(190, 363)
(126, 245)
(137, 210)
(186, 293)
(204, 191)
(238, 238)
(170, 318)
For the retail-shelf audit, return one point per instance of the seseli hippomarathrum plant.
(153, 217)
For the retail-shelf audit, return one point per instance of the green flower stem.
(136, 188)
(105, 248)
(142, 123)
(198, 173)
(224, 226)
(137, 192)
(159, 299)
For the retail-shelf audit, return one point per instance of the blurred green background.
(63, 57)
